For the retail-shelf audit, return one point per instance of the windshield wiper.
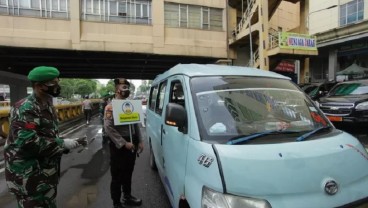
(306, 135)
(242, 138)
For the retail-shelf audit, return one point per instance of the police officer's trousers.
(121, 166)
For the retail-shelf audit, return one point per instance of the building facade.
(272, 35)
(341, 27)
(175, 27)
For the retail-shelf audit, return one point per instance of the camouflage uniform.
(122, 160)
(32, 153)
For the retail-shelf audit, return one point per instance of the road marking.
(70, 130)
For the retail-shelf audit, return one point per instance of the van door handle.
(163, 131)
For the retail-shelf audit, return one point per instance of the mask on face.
(124, 91)
(53, 90)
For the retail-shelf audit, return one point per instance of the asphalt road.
(85, 176)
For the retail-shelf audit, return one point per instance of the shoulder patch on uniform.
(108, 115)
(108, 111)
(30, 125)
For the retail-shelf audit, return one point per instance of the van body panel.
(327, 168)
(289, 172)
(199, 172)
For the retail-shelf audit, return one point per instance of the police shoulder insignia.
(108, 114)
(108, 111)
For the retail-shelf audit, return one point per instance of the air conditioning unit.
(123, 14)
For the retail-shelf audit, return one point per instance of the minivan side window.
(160, 98)
(177, 93)
(153, 98)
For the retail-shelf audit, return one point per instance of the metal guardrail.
(245, 18)
(65, 112)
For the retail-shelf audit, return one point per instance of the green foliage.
(108, 89)
(81, 87)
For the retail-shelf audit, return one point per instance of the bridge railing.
(65, 112)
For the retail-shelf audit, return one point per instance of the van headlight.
(362, 106)
(214, 199)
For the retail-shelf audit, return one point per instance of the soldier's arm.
(25, 126)
(114, 135)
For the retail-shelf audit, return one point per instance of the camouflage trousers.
(39, 200)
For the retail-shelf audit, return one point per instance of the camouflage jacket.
(33, 149)
(120, 134)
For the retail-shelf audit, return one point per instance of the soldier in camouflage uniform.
(125, 142)
(33, 149)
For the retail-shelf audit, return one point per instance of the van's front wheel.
(152, 159)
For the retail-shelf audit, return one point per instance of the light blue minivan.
(237, 137)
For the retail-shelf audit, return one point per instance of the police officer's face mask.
(124, 91)
(53, 88)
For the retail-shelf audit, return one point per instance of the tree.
(108, 89)
(82, 87)
(144, 87)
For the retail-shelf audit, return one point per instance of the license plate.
(334, 118)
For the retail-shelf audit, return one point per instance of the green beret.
(43, 73)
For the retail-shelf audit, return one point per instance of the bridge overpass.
(136, 39)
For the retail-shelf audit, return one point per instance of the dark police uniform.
(122, 160)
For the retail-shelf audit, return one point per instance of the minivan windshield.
(349, 89)
(232, 106)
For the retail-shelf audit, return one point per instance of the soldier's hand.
(129, 146)
(82, 141)
(70, 144)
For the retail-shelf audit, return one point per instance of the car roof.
(196, 70)
(363, 81)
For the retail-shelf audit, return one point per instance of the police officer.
(33, 149)
(125, 143)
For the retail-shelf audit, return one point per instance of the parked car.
(226, 136)
(347, 102)
(318, 90)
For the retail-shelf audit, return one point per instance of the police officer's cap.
(43, 73)
(121, 81)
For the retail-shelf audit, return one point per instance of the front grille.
(337, 112)
(338, 109)
(339, 105)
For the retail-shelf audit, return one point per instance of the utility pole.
(250, 34)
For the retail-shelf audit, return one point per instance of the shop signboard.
(297, 41)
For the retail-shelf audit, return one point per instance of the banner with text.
(297, 41)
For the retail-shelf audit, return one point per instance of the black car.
(318, 90)
(347, 102)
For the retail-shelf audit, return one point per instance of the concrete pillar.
(17, 83)
(75, 27)
(263, 34)
(332, 64)
(158, 24)
(17, 91)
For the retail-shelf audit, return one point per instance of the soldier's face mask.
(53, 87)
(124, 91)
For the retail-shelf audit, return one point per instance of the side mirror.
(176, 115)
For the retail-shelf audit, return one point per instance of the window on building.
(35, 8)
(205, 18)
(121, 11)
(171, 14)
(183, 12)
(351, 12)
(193, 16)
